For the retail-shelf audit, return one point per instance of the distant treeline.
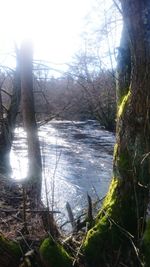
(69, 97)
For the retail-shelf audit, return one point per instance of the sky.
(56, 28)
(53, 25)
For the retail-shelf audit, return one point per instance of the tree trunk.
(123, 66)
(120, 224)
(8, 124)
(28, 112)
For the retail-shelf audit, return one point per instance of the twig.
(77, 254)
(24, 239)
(90, 216)
(71, 216)
(117, 6)
(24, 210)
(27, 210)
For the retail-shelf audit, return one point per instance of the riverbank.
(28, 235)
(77, 159)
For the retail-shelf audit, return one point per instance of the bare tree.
(98, 87)
(29, 121)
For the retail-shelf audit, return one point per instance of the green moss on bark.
(117, 216)
(10, 252)
(123, 103)
(122, 213)
(110, 233)
(104, 235)
(54, 255)
(11, 246)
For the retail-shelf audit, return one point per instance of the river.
(77, 159)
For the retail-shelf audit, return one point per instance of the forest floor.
(21, 222)
(17, 215)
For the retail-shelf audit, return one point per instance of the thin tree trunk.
(28, 112)
(8, 124)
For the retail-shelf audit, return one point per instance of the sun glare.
(53, 25)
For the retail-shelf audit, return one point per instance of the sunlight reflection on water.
(76, 157)
(18, 155)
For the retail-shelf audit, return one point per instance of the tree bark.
(123, 66)
(8, 124)
(116, 237)
(28, 112)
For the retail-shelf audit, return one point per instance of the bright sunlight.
(53, 26)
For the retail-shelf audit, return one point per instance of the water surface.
(77, 159)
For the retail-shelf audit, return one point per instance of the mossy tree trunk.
(29, 120)
(121, 221)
